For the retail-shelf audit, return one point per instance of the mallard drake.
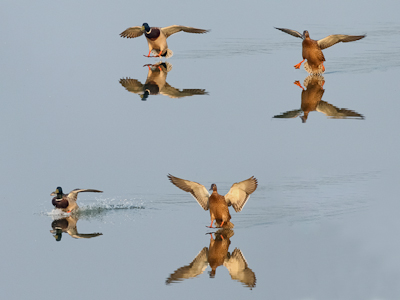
(156, 84)
(67, 202)
(157, 37)
(312, 49)
(215, 255)
(237, 196)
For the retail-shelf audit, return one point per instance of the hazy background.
(323, 223)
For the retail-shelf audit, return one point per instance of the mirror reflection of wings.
(289, 114)
(156, 84)
(311, 100)
(176, 93)
(239, 270)
(68, 225)
(195, 268)
(214, 256)
(334, 112)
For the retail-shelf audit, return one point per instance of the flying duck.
(157, 37)
(216, 203)
(312, 49)
(67, 202)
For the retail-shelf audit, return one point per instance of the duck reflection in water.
(217, 254)
(311, 100)
(156, 84)
(68, 225)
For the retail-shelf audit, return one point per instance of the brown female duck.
(237, 196)
(67, 202)
(157, 37)
(312, 49)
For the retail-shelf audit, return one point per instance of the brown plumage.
(237, 196)
(311, 100)
(312, 49)
(215, 255)
(217, 251)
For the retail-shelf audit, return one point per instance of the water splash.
(98, 209)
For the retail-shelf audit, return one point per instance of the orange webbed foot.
(298, 65)
(298, 84)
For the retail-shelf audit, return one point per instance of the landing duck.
(157, 37)
(67, 202)
(237, 197)
(312, 49)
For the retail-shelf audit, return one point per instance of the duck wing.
(289, 114)
(132, 32)
(240, 193)
(291, 32)
(131, 85)
(333, 39)
(195, 268)
(198, 191)
(176, 93)
(239, 270)
(176, 28)
(337, 113)
(73, 195)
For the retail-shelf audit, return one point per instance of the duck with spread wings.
(237, 197)
(157, 37)
(312, 49)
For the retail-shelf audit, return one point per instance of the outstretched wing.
(333, 39)
(132, 32)
(291, 32)
(132, 85)
(289, 114)
(337, 113)
(198, 191)
(73, 195)
(196, 267)
(239, 270)
(176, 93)
(176, 28)
(240, 193)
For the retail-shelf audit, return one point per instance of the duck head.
(306, 34)
(145, 27)
(57, 192)
(213, 187)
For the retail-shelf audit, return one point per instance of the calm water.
(323, 223)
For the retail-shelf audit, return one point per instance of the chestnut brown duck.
(67, 202)
(157, 37)
(237, 197)
(312, 49)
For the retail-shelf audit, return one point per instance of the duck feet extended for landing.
(298, 65)
(298, 84)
